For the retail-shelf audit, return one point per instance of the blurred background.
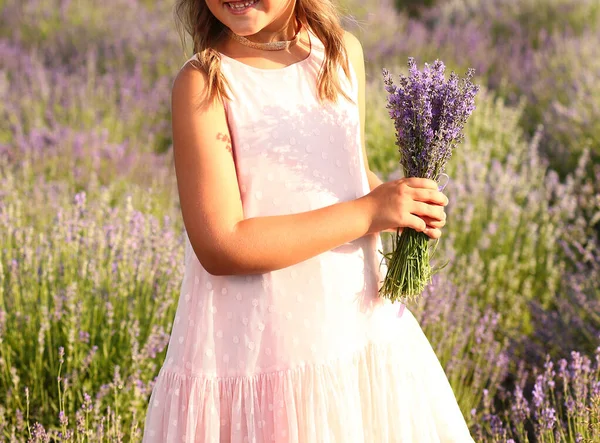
(91, 245)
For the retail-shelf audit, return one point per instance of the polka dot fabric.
(309, 353)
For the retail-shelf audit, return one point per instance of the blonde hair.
(320, 16)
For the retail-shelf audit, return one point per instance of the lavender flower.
(520, 406)
(548, 418)
(429, 115)
(538, 392)
(63, 419)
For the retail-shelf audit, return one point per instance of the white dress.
(309, 353)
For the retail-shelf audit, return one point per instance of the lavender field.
(91, 235)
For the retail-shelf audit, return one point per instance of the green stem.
(409, 270)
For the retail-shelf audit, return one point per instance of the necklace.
(271, 46)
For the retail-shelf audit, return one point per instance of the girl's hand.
(408, 202)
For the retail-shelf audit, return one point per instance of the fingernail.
(443, 181)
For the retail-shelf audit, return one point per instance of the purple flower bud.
(63, 419)
(548, 418)
(429, 114)
(538, 392)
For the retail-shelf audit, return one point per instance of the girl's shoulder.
(192, 88)
(353, 48)
(193, 64)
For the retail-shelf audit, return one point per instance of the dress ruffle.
(390, 392)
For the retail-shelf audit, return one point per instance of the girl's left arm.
(374, 181)
(357, 62)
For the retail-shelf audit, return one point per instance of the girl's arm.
(357, 62)
(374, 181)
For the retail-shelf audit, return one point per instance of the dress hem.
(388, 392)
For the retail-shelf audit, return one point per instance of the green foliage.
(565, 99)
(532, 19)
(465, 341)
(500, 231)
(96, 280)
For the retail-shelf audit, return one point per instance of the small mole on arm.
(227, 140)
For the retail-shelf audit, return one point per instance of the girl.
(280, 334)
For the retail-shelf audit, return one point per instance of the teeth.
(241, 5)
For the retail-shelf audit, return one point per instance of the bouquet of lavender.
(429, 115)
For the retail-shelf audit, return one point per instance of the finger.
(428, 220)
(417, 182)
(434, 223)
(433, 233)
(416, 223)
(430, 196)
(426, 210)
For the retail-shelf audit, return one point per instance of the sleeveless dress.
(309, 353)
